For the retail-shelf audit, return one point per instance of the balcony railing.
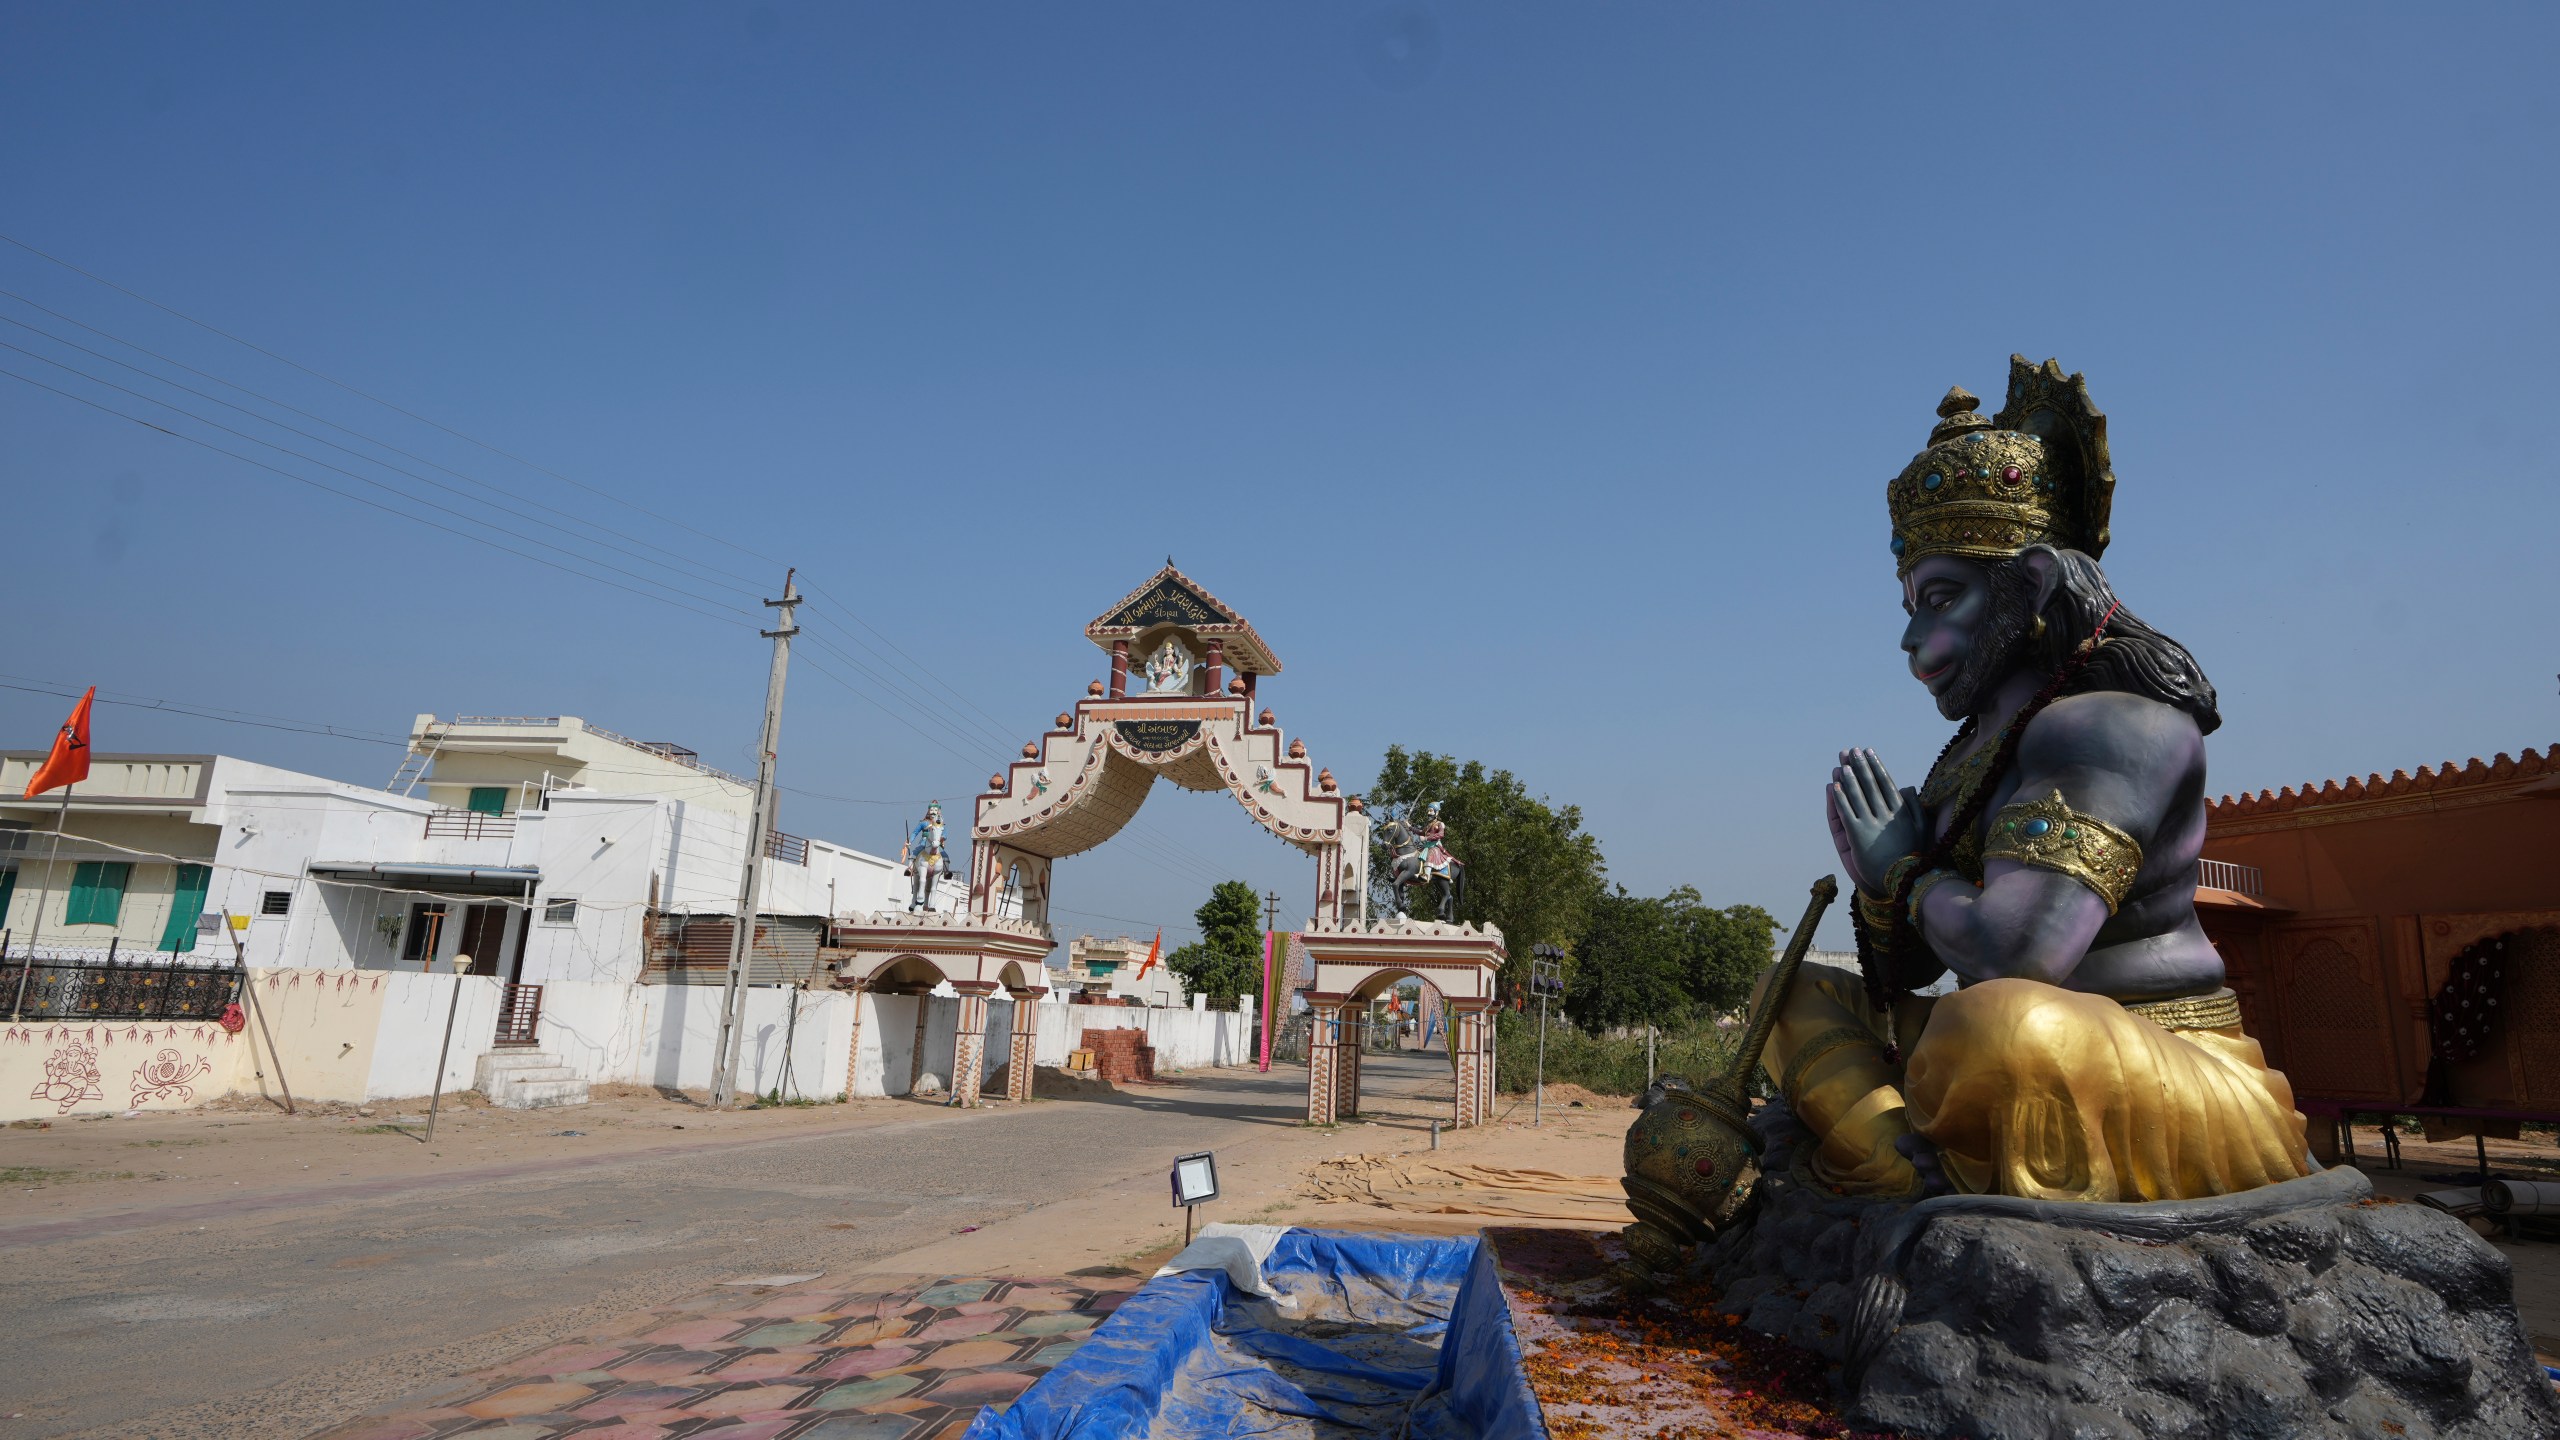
(519, 1015)
(660, 748)
(2238, 879)
(675, 754)
(789, 849)
(468, 825)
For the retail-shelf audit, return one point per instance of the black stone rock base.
(2304, 1309)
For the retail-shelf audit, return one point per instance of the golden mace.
(1691, 1158)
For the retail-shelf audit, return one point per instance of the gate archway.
(1180, 703)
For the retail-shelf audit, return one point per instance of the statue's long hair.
(2134, 658)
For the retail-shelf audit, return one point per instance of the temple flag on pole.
(69, 762)
(1152, 952)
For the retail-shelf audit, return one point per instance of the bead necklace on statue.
(1968, 785)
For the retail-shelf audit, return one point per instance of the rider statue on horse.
(1422, 858)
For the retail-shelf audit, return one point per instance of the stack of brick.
(1121, 1056)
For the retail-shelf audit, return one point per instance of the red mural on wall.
(166, 1076)
(70, 1076)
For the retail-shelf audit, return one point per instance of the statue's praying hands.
(1872, 823)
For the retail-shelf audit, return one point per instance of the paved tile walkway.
(882, 1358)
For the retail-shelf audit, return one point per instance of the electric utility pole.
(733, 997)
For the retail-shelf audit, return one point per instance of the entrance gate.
(1180, 704)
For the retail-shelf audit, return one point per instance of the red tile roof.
(2428, 780)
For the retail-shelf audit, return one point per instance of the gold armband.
(2051, 834)
(1877, 909)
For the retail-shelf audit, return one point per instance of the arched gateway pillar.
(969, 1041)
(1324, 1057)
(1024, 1047)
(1356, 962)
(1471, 1046)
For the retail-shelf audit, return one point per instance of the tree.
(1728, 949)
(1226, 961)
(1530, 867)
(1665, 961)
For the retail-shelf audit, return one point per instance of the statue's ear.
(2044, 567)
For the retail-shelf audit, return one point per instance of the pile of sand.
(1048, 1082)
(1421, 1186)
(1563, 1096)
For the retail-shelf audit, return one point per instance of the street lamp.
(1546, 978)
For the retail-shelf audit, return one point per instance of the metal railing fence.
(37, 985)
(469, 825)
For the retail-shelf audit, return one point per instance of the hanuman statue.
(2048, 860)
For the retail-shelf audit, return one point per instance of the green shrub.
(1608, 1065)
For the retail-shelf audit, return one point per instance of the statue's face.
(1962, 638)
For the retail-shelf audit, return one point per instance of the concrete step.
(533, 1075)
(538, 1094)
(498, 1064)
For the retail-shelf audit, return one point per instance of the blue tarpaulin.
(1389, 1335)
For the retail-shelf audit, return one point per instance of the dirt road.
(248, 1295)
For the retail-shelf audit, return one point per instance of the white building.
(1110, 968)
(547, 850)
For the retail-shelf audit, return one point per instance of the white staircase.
(522, 1079)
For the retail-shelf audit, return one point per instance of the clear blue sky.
(1529, 375)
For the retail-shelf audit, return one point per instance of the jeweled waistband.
(2217, 1011)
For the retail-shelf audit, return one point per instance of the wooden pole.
(26, 968)
(44, 887)
(249, 992)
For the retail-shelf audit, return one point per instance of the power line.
(847, 610)
(361, 500)
(918, 665)
(317, 419)
(324, 729)
(332, 444)
(378, 400)
(464, 516)
(898, 685)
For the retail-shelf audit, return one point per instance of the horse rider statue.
(1422, 858)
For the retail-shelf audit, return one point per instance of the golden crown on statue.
(2037, 473)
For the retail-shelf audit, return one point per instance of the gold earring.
(2038, 632)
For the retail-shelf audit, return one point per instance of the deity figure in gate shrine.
(1169, 669)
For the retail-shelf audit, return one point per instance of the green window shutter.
(185, 904)
(97, 892)
(489, 799)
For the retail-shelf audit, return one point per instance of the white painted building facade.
(554, 884)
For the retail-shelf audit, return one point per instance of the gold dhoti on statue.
(2033, 1090)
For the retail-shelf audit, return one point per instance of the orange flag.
(69, 762)
(1152, 952)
